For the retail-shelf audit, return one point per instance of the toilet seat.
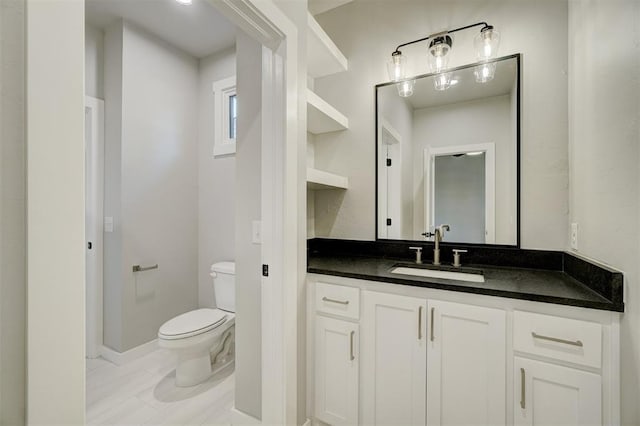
(192, 323)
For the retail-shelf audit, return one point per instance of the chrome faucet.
(437, 235)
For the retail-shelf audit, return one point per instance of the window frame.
(222, 91)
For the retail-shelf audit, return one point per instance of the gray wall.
(604, 145)
(247, 207)
(94, 62)
(156, 221)
(216, 179)
(12, 213)
(368, 31)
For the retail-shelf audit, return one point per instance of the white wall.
(604, 137)
(94, 62)
(55, 217)
(12, 214)
(368, 31)
(247, 206)
(158, 188)
(216, 179)
(485, 121)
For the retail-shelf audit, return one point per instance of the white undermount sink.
(432, 273)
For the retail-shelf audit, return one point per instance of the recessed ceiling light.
(185, 2)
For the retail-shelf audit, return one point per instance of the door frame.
(489, 184)
(94, 213)
(267, 24)
(384, 126)
(55, 217)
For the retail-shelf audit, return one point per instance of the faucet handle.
(456, 257)
(418, 253)
(427, 235)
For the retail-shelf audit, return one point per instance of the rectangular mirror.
(449, 154)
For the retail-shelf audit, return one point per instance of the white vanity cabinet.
(466, 365)
(403, 355)
(336, 354)
(547, 393)
(393, 359)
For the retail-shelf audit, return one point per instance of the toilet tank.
(224, 285)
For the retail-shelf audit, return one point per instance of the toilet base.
(193, 368)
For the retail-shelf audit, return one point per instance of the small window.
(226, 116)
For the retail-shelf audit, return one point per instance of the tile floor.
(143, 393)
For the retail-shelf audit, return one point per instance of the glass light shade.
(486, 44)
(405, 88)
(442, 81)
(439, 53)
(485, 72)
(397, 67)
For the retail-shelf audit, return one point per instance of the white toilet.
(204, 338)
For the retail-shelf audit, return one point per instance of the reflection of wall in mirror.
(397, 113)
(485, 120)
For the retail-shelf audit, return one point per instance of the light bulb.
(486, 43)
(485, 72)
(185, 2)
(405, 88)
(439, 49)
(397, 66)
(442, 81)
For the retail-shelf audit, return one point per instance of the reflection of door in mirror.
(392, 155)
(460, 191)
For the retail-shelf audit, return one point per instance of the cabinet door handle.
(555, 339)
(342, 302)
(351, 346)
(432, 311)
(522, 388)
(420, 323)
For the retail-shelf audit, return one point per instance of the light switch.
(256, 232)
(108, 224)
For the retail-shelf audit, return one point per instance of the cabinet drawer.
(338, 300)
(579, 342)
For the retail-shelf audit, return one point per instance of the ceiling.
(317, 7)
(197, 29)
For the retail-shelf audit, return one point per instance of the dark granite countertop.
(541, 285)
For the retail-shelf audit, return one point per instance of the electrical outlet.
(574, 236)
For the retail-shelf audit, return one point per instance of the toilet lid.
(192, 323)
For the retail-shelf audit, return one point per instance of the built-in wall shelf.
(318, 179)
(322, 117)
(323, 56)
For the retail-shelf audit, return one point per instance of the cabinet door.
(393, 360)
(548, 394)
(336, 378)
(466, 361)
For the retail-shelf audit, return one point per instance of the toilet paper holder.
(138, 268)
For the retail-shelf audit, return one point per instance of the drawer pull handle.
(351, 346)
(342, 302)
(420, 323)
(555, 339)
(432, 311)
(522, 389)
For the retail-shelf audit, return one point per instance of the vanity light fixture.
(486, 45)
(185, 2)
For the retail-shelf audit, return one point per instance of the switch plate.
(574, 236)
(108, 224)
(256, 232)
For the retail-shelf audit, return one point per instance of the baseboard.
(238, 418)
(121, 358)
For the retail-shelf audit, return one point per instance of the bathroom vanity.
(536, 343)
